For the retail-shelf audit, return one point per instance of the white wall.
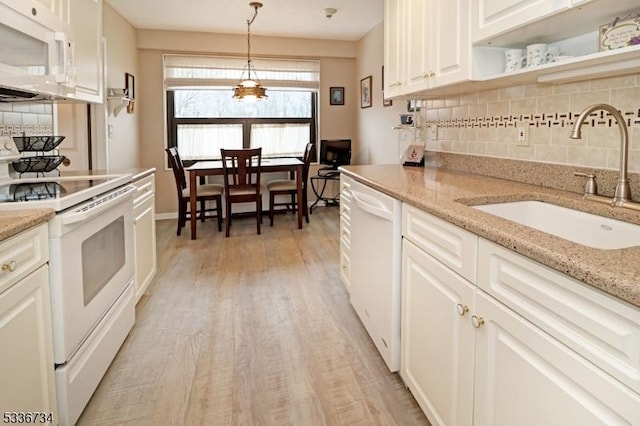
(122, 56)
(376, 143)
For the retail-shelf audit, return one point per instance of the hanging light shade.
(250, 89)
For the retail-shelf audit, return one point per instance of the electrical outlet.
(432, 132)
(110, 131)
(522, 136)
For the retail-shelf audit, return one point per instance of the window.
(203, 117)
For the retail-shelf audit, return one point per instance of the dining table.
(267, 165)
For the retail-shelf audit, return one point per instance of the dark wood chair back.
(241, 169)
(242, 180)
(306, 159)
(178, 169)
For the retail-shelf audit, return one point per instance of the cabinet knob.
(462, 309)
(11, 266)
(477, 321)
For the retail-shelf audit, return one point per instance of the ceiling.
(283, 18)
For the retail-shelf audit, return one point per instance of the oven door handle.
(97, 206)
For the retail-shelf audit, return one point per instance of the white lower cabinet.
(27, 383)
(525, 377)
(144, 235)
(526, 346)
(437, 337)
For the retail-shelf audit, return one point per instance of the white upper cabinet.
(451, 35)
(86, 19)
(419, 46)
(393, 39)
(494, 17)
(568, 26)
(426, 45)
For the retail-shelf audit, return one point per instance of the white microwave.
(37, 52)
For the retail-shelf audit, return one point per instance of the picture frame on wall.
(365, 92)
(336, 96)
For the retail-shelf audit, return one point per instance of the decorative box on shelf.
(622, 32)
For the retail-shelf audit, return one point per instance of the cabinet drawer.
(22, 254)
(345, 210)
(345, 232)
(345, 187)
(448, 243)
(599, 327)
(345, 266)
(144, 187)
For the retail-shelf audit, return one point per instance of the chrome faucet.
(622, 193)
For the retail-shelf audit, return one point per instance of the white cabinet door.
(420, 45)
(86, 20)
(451, 62)
(144, 236)
(525, 377)
(493, 17)
(393, 47)
(26, 359)
(437, 338)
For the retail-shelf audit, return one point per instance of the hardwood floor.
(250, 330)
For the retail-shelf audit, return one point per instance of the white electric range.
(91, 270)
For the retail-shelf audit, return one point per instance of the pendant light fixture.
(250, 88)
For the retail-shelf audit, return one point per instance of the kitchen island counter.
(14, 222)
(448, 194)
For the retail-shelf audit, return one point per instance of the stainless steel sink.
(583, 228)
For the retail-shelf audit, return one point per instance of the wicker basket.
(38, 164)
(37, 143)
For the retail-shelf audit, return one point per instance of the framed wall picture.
(130, 85)
(336, 96)
(365, 92)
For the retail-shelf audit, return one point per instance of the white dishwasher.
(376, 236)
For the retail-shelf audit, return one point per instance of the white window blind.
(184, 71)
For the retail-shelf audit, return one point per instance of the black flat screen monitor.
(335, 152)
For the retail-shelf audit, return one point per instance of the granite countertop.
(448, 194)
(14, 222)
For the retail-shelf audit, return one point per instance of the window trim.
(173, 122)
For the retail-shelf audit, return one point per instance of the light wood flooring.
(250, 330)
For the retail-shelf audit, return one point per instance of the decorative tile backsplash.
(486, 123)
(26, 118)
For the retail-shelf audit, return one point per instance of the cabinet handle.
(11, 266)
(462, 309)
(477, 321)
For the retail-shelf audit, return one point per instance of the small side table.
(319, 185)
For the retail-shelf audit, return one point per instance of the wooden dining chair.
(207, 192)
(242, 180)
(289, 187)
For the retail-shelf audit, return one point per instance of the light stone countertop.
(448, 195)
(14, 222)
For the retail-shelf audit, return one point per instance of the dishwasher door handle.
(371, 205)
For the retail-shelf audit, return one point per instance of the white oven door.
(91, 263)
